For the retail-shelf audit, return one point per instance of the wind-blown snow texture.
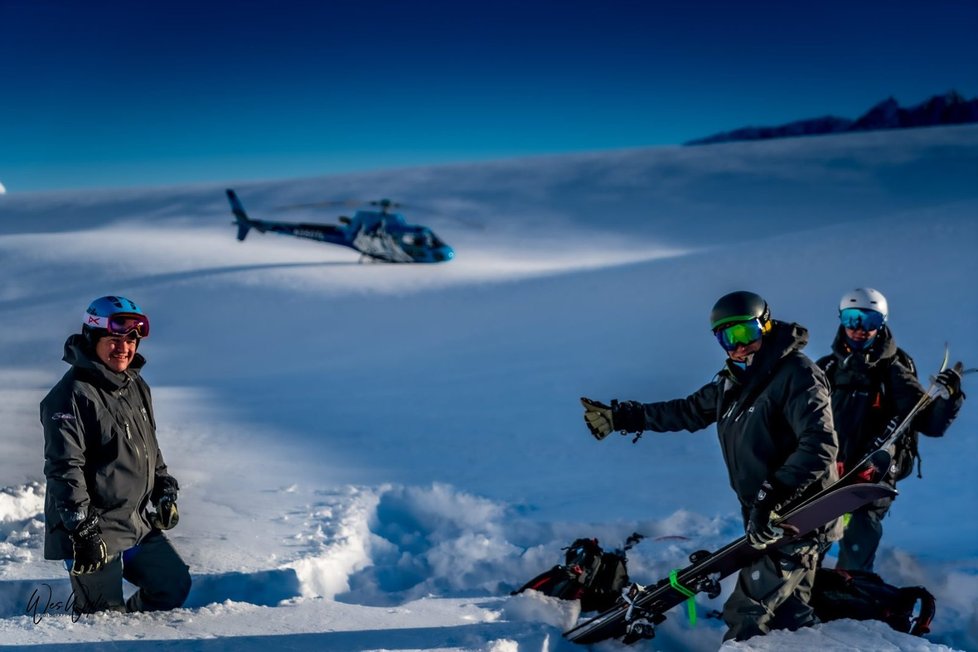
(373, 456)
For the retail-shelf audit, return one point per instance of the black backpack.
(588, 574)
(862, 595)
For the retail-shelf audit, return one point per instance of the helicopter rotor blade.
(346, 203)
(385, 205)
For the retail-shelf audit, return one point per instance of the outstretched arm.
(696, 411)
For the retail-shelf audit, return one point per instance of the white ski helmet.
(866, 299)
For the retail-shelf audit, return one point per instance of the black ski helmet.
(737, 307)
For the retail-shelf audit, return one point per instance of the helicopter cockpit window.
(417, 239)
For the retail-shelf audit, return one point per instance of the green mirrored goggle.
(740, 333)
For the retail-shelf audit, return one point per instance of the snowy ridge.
(374, 456)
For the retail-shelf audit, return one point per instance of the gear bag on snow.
(588, 574)
(862, 595)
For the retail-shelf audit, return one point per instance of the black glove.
(166, 515)
(602, 419)
(164, 485)
(598, 417)
(629, 416)
(950, 380)
(89, 548)
(761, 530)
(164, 498)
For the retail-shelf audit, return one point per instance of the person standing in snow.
(770, 404)
(873, 381)
(104, 470)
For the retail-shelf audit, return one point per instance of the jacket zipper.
(144, 451)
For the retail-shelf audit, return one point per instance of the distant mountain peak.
(949, 108)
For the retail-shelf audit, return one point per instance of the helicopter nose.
(444, 254)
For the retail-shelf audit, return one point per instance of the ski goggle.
(859, 319)
(745, 332)
(121, 324)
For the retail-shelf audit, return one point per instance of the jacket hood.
(80, 354)
(785, 338)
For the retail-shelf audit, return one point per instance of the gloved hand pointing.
(598, 418)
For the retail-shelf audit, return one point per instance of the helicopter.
(379, 235)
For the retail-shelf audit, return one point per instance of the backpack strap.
(904, 358)
(909, 440)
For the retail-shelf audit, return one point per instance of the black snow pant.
(153, 566)
(859, 543)
(773, 592)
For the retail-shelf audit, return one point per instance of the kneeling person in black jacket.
(770, 404)
(109, 494)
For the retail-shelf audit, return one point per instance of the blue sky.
(112, 94)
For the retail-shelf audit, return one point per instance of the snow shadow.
(262, 588)
(67, 294)
(50, 596)
(480, 636)
(35, 597)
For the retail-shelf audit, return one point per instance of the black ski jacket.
(100, 451)
(871, 387)
(774, 423)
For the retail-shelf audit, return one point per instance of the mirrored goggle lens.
(859, 319)
(125, 324)
(744, 333)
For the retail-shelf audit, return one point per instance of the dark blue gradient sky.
(110, 94)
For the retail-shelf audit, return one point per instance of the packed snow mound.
(838, 636)
(19, 503)
(21, 526)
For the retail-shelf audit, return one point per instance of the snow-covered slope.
(373, 456)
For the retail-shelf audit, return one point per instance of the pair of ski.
(642, 608)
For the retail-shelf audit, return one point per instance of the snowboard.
(641, 609)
